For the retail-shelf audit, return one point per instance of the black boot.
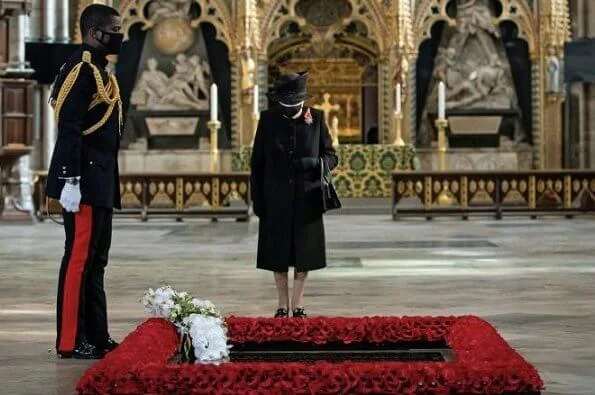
(83, 351)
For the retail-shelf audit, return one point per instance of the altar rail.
(206, 195)
(566, 192)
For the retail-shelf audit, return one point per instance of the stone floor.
(532, 279)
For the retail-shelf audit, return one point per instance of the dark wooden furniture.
(463, 193)
(204, 195)
(16, 112)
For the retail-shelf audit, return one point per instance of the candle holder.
(214, 126)
(255, 119)
(445, 197)
(441, 125)
(398, 120)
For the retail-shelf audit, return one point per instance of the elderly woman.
(290, 142)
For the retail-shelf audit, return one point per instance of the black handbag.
(330, 198)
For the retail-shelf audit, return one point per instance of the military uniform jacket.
(288, 200)
(88, 113)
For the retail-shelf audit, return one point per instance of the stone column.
(412, 98)
(49, 20)
(17, 32)
(18, 67)
(384, 101)
(62, 30)
(35, 32)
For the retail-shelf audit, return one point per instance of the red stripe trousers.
(81, 313)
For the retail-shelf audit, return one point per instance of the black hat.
(290, 88)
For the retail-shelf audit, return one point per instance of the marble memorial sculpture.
(473, 65)
(186, 89)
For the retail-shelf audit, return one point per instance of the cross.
(327, 107)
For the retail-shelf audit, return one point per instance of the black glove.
(306, 164)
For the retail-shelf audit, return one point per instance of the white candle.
(398, 99)
(441, 101)
(255, 104)
(214, 101)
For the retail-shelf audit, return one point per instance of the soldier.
(84, 176)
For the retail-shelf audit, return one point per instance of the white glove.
(70, 198)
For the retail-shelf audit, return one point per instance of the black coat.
(286, 190)
(92, 157)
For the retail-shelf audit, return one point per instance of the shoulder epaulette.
(106, 93)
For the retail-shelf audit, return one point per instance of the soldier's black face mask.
(112, 42)
(291, 111)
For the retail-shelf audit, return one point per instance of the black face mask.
(291, 112)
(112, 42)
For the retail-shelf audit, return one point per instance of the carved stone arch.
(278, 15)
(428, 13)
(215, 12)
(371, 17)
(519, 12)
(364, 11)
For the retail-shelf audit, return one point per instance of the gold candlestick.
(445, 197)
(214, 126)
(255, 119)
(398, 119)
(441, 125)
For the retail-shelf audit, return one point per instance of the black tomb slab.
(167, 138)
(479, 128)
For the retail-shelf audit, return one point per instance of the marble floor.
(532, 279)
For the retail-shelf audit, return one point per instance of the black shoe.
(83, 351)
(281, 313)
(299, 313)
(110, 345)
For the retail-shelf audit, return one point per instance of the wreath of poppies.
(485, 363)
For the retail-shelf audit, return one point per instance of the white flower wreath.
(197, 321)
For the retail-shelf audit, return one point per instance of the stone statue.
(155, 91)
(151, 86)
(479, 85)
(335, 131)
(199, 75)
(553, 73)
(248, 72)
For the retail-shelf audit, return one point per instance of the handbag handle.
(324, 172)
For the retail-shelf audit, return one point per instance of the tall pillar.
(49, 20)
(62, 30)
(17, 32)
(19, 67)
(35, 31)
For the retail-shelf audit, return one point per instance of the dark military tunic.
(286, 198)
(88, 130)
